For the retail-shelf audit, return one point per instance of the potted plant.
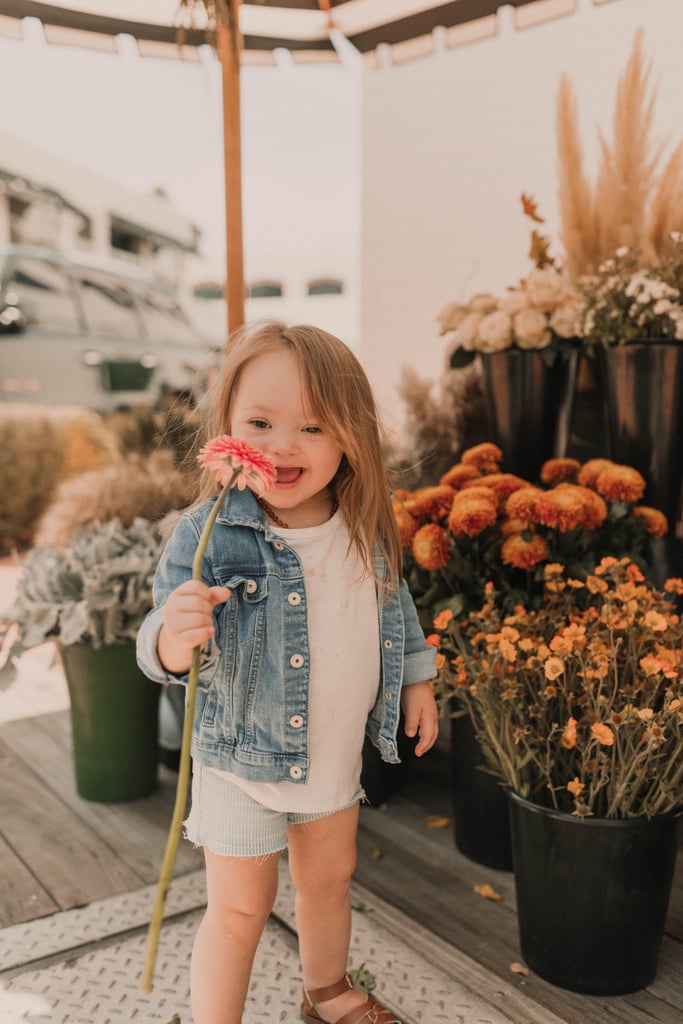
(478, 525)
(90, 597)
(526, 341)
(578, 706)
(633, 322)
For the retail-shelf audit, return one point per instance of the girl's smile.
(271, 412)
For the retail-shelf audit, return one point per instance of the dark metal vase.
(592, 896)
(643, 390)
(529, 403)
(114, 718)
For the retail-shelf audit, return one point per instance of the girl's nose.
(284, 442)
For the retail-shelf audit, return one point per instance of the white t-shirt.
(343, 633)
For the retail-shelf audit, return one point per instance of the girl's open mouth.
(288, 474)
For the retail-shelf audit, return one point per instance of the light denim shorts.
(229, 822)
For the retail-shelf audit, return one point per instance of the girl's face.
(271, 412)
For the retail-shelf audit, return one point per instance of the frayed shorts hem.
(228, 822)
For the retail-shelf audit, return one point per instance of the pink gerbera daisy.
(224, 456)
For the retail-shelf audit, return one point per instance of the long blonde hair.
(341, 398)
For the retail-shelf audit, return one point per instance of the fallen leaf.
(376, 853)
(487, 891)
(519, 969)
(437, 821)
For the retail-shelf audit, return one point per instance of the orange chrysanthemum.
(562, 508)
(225, 456)
(430, 546)
(591, 470)
(620, 483)
(502, 485)
(431, 502)
(458, 474)
(471, 514)
(556, 471)
(521, 504)
(407, 524)
(522, 553)
(655, 521)
(594, 509)
(485, 457)
(510, 526)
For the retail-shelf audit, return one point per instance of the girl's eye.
(313, 430)
(259, 424)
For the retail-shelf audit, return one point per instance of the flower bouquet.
(578, 704)
(479, 525)
(626, 301)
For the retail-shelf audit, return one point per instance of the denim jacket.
(251, 710)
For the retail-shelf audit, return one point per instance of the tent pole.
(229, 47)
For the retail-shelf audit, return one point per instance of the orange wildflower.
(602, 733)
(575, 787)
(620, 483)
(553, 668)
(430, 547)
(443, 618)
(674, 585)
(555, 471)
(655, 521)
(521, 553)
(485, 457)
(568, 739)
(457, 475)
(433, 639)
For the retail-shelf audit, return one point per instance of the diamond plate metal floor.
(84, 966)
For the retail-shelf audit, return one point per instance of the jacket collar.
(240, 508)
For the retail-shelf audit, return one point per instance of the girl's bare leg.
(240, 896)
(322, 858)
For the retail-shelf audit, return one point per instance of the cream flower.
(467, 331)
(565, 320)
(515, 300)
(546, 288)
(495, 332)
(450, 318)
(531, 328)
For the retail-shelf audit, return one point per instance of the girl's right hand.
(188, 623)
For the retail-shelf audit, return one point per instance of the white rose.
(531, 328)
(546, 288)
(483, 302)
(495, 332)
(514, 301)
(566, 319)
(466, 334)
(451, 316)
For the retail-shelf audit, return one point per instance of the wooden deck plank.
(22, 897)
(73, 863)
(137, 829)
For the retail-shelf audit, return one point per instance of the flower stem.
(184, 766)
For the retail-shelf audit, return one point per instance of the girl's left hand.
(421, 715)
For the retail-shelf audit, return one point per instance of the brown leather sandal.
(369, 1012)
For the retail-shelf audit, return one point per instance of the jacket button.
(295, 772)
(296, 661)
(252, 586)
(294, 598)
(387, 695)
(296, 721)
(388, 643)
(278, 545)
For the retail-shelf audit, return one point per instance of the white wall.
(450, 142)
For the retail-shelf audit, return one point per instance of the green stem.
(184, 766)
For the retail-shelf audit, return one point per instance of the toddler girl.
(309, 639)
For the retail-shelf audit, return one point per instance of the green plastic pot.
(115, 722)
